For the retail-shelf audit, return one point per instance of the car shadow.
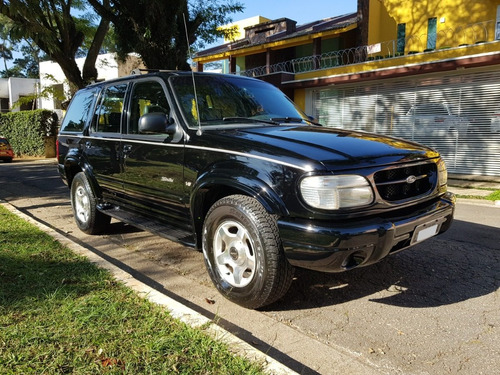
(444, 270)
(119, 227)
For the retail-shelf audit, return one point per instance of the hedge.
(27, 130)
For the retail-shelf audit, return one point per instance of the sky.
(300, 11)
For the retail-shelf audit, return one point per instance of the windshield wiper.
(293, 119)
(287, 119)
(250, 119)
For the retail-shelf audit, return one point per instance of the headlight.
(442, 173)
(334, 192)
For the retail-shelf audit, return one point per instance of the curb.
(479, 202)
(176, 309)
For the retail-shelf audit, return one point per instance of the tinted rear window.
(79, 111)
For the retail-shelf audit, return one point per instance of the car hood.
(333, 148)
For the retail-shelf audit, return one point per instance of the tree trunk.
(89, 70)
(71, 71)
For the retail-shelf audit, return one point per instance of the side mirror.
(156, 123)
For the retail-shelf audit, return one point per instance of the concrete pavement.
(280, 334)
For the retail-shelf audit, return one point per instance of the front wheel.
(88, 218)
(243, 252)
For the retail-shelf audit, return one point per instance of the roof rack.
(146, 71)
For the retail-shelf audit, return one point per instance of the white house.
(108, 67)
(11, 89)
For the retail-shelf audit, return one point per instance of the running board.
(163, 230)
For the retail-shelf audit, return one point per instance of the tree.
(50, 24)
(27, 66)
(5, 48)
(5, 54)
(155, 28)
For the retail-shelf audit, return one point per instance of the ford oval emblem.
(411, 179)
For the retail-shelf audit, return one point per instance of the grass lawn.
(493, 196)
(61, 314)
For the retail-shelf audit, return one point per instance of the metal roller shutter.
(458, 114)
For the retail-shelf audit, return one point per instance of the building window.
(27, 105)
(4, 104)
(431, 33)
(401, 38)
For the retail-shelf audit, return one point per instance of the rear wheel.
(243, 252)
(88, 218)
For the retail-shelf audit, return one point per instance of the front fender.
(212, 186)
(237, 184)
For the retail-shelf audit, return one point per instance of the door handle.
(88, 144)
(127, 149)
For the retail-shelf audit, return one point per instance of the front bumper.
(338, 247)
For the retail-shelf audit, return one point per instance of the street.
(432, 309)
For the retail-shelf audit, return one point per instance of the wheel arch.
(74, 164)
(208, 191)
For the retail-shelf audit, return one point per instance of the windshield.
(224, 99)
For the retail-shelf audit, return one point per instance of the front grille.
(394, 184)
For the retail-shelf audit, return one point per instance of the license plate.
(425, 231)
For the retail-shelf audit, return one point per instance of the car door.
(153, 173)
(102, 146)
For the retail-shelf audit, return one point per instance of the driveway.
(432, 309)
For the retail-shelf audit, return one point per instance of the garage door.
(459, 115)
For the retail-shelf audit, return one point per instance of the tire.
(243, 252)
(88, 218)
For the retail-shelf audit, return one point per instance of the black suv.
(232, 167)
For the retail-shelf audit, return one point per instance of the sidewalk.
(474, 189)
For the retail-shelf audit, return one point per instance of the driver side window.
(147, 97)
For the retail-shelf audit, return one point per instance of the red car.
(6, 151)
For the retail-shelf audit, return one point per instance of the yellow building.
(238, 28)
(426, 71)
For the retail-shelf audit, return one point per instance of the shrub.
(26, 130)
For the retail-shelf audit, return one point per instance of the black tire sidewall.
(253, 294)
(81, 180)
(97, 221)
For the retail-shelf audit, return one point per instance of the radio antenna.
(199, 132)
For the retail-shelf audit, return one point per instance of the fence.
(461, 36)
